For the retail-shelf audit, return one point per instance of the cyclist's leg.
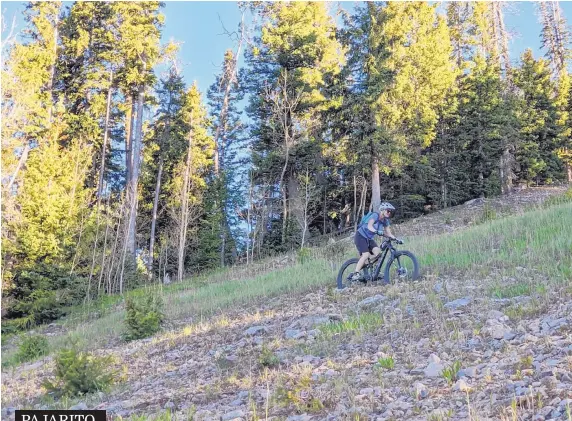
(375, 250)
(362, 245)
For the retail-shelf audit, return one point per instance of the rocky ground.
(439, 349)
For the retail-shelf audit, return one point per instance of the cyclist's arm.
(387, 232)
(370, 225)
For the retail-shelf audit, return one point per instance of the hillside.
(485, 334)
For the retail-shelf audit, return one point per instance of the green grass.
(450, 373)
(540, 239)
(363, 322)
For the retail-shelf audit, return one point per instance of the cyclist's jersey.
(378, 225)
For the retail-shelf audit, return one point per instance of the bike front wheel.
(402, 266)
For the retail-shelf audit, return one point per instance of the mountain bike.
(401, 266)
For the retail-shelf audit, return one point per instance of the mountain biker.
(377, 223)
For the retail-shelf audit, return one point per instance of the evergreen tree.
(538, 135)
(289, 66)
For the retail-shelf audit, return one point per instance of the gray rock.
(420, 390)
(294, 334)
(498, 330)
(303, 417)
(366, 391)
(462, 386)
(468, 372)
(239, 413)
(434, 358)
(10, 410)
(495, 315)
(372, 301)
(433, 370)
(169, 405)
(458, 303)
(438, 288)
(79, 407)
(254, 330)
(509, 336)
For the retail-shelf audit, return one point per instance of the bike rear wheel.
(402, 267)
(347, 269)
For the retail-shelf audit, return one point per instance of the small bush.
(78, 373)
(386, 363)
(489, 214)
(268, 358)
(559, 199)
(304, 255)
(32, 347)
(450, 373)
(143, 316)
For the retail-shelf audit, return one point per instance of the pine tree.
(289, 65)
(537, 140)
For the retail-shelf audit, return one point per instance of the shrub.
(304, 255)
(32, 347)
(559, 199)
(268, 358)
(488, 214)
(144, 316)
(78, 373)
(386, 363)
(450, 373)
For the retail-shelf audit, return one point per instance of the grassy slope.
(540, 239)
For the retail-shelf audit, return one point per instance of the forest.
(116, 174)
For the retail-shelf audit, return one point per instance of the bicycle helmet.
(386, 206)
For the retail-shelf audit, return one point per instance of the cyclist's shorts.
(363, 244)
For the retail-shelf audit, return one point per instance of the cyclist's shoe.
(356, 276)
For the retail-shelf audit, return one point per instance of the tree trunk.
(136, 165)
(21, 161)
(185, 209)
(375, 187)
(282, 189)
(129, 120)
(104, 146)
(154, 217)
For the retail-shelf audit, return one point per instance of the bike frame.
(380, 260)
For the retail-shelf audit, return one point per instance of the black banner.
(87, 415)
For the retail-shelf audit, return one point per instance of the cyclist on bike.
(377, 223)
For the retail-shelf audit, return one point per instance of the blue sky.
(199, 27)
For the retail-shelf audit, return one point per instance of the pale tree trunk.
(375, 187)
(185, 209)
(135, 169)
(156, 196)
(154, 217)
(130, 121)
(131, 202)
(105, 135)
(503, 39)
(21, 161)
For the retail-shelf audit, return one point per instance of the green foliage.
(558, 199)
(78, 373)
(515, 290)
(488, 214)
(362, 322)
(303, 255)
(32, 347)
(386, 363)
(143, 315)
(268, 358)
(450, 373)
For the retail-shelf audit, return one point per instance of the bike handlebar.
(397, 240)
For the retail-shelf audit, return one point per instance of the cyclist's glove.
(399, 241)
(380, 233)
